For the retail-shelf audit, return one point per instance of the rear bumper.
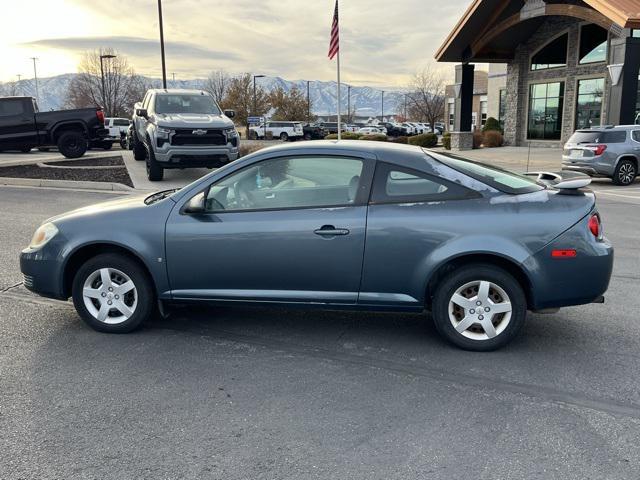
(595, 167)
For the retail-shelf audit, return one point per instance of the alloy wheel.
(626, 173)
(480, 310)
(110, 296)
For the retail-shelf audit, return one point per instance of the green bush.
(492, 138)
(376, 137)
(345, 136)
(491, 125)
(403, 140)
(446, 140)
(477, 139)
(426, 140)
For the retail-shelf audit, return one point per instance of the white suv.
(116, 126)
(283, 130)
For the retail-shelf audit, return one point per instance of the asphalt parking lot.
(249, 393)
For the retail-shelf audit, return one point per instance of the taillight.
(596, 149)
(595, 227)
(100, 115)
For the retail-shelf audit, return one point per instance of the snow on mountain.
(366, 100)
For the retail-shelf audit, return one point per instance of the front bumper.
(41, 271)
(195, 156)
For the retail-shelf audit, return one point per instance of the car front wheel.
(625, 173)
(113, 294)
(479, 307)
(155, 172)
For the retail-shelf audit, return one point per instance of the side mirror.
(196, 204)
(142, 112)
(230, 113)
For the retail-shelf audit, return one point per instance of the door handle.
(330, 231)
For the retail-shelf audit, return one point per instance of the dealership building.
(555, 66)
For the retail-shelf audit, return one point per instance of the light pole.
(308, 103)
(35, 77)
(349, 104)
(173, 74)
(18, 84)
(255, 107)
(164, 68)
(104, 91)
(405, 107)
(382, 116)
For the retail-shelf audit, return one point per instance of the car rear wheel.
(155, 172)
(479, 307)
(625, 173)
(113, 294)
(72, 144)
(284, 137)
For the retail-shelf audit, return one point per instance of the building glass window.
(635, 33)
(593, 44)
(589, 103)
(553, 55)
(452, 113)
(502, 107)
(545, 111)
(483, 111)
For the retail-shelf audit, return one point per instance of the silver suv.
(612, 152)
(181, 129)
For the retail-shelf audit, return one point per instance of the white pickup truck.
(178, 128)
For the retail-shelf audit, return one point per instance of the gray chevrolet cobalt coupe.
(336, 225)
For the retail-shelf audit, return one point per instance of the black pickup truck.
(23, 127)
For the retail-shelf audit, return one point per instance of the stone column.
(462, 136)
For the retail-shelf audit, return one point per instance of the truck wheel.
(284, 137)
(25, 149)
(72, 144)
(625, 173)
(44, 149)
(254, 135)
(139, 151)
(107, 145)
(155, 172)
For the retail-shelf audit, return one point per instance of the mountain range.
(367, 101)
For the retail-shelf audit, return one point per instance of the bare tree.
(240, 98)
(426, 97)
(217, 84)
(291, 105)
(122, 87)
(9, 89)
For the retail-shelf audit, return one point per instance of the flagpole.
(339, 100)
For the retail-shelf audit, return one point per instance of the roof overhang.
(490, 30)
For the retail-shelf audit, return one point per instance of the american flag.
(334, 43)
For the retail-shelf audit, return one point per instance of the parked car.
(313, 132)
(332, 127)
(182, 128)
(475, 245)
(612, 152)
(116, 126)
(279, 129)
(129, 137)
(370, 131)
(23, 127)
(395, 129)
(409, 128)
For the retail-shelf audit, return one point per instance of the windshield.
(186, 104)
(503, 180)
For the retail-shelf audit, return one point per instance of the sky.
(383, 42)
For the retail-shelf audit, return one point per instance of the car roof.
(178, 91)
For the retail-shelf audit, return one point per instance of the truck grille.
(187, 137)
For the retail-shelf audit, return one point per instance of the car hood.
(193, 120)
(119, 207)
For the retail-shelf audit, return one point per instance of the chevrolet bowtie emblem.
(199, 132)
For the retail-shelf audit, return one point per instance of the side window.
(614, 137)
(10, 108)
(636, 135)
(395, 184)
(291, 182)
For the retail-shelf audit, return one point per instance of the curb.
(70, 184)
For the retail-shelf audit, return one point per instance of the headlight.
(43, 234)
(162, 132)
(232, 133)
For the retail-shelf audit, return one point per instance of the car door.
(284, 229)
(17, 124)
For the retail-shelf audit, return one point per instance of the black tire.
(469, 274)
(25, 149)
(139, 150)
(107, 146)
(144, 292)
(625, 173)
(155, 172)
(284, 137)
(44, 149)
(308, 136)
(72, 144)
(254, 135)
